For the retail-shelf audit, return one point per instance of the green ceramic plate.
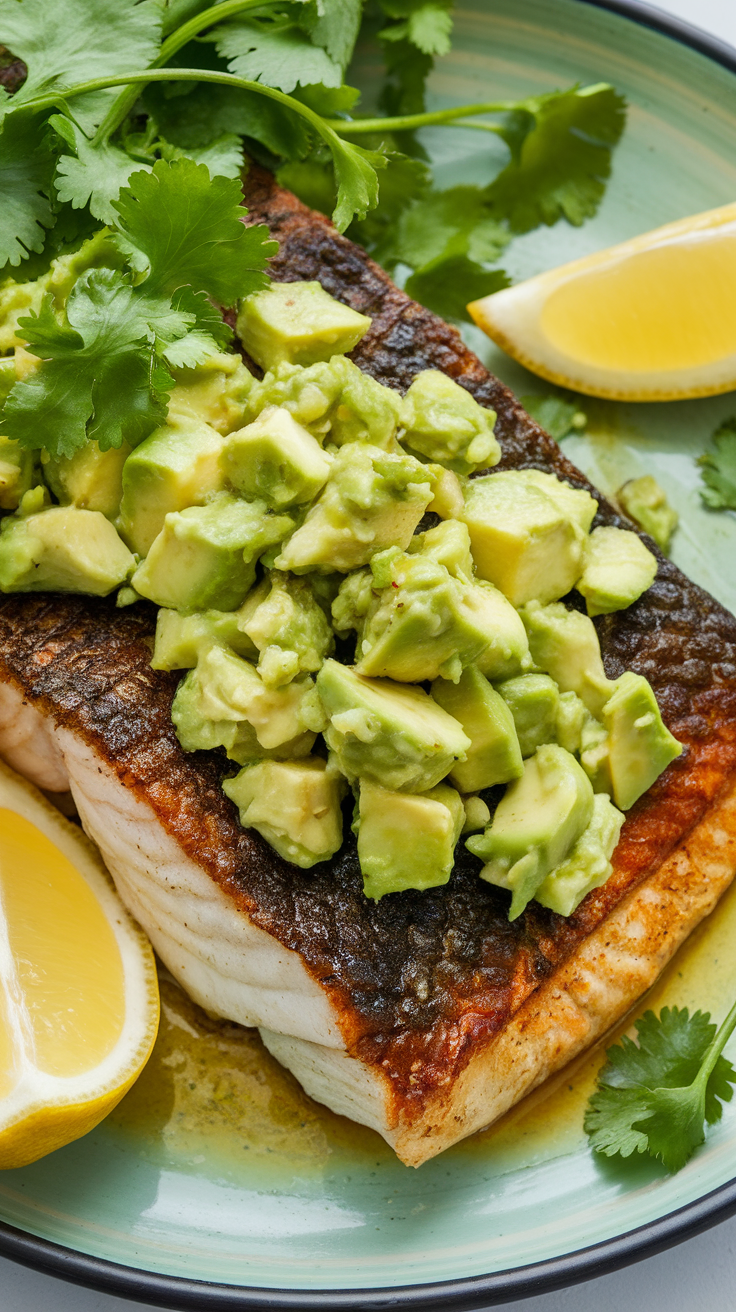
(216, 1167)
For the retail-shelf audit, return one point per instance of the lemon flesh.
(78, 990)
(650, 320)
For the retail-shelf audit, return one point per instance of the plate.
(218, 1183)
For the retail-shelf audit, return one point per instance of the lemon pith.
(78, 989)
(650, 319)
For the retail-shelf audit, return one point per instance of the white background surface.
(698, 1276)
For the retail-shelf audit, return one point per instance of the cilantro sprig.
(104, 372)
(656, 1096)
(109, 93)
(719, 468)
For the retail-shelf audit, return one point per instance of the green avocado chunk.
(216, 391)
(533, 700)
(206, 715)
(17, 467)
(426, 624)
(443, 422)
(294, 805)
(204, 557)
(449, 544)
(524, 540)
(372, 500)
(297, 322)
(574, 502)
(406, 840)
(176, 467)
(386, 732)
(588, 864)
(224, 687)
(62, 549)
(287, 627)
(537, 823)
(335, 400)
(639, 746)
(565, 645)
(494, 756)
(617, 569)
(275, 458)
(646, 503)
(180, 639)
(90, 479)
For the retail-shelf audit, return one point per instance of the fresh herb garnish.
(558, 417)
(657, 1096)
(181, 234)
(719, 468)
(109, 93)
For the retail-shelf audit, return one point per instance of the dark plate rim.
(470, 1292)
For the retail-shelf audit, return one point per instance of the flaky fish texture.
(427, 1014)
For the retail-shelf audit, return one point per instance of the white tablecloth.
(698, 1276)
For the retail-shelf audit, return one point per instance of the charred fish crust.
(420, 981)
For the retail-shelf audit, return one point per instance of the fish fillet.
(427, 1014)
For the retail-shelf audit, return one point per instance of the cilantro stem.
(407, 122)
(217, 13)
(716, 1047)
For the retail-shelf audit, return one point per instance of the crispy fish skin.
(425, 985)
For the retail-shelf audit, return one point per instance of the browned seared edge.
(420, 977)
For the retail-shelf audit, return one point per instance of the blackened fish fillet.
(426, 1014)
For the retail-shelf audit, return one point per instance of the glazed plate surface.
(216, 1167)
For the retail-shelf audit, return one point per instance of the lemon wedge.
(653, 319)
(78, 987)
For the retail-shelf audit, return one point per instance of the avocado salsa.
(331, 641)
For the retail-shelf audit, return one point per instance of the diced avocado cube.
(443, 422)
(298, 323)
(335, 400)
(204, 557)
(588, 864)
(388, 733)
(477, 815)
(230, 688)
(355, 597)
(565, 645)
(572, 716)
(448, 500)
(406, 840)
(533, 701)
(522, 540)
(617, 568)
(180, 639)
(205, 717)
(289, 630)
(372, 499)
(507, 651)
(449, 544)
(494, 756)
(574, 502)
(537, 823)
(294, 805)
(177, 466)
(646, 503)
(16, 472)
(275, 458)
(62, 549)
(217, 391)
(90, 479)
(640, 746)
(427, 624)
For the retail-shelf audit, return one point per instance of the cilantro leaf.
(276, 51)
(26, 171)
(336, 29)
(719, 468)
(207, 332)
(406, 180)
(447, 283)
(427, 24)
(561, 157)
(99, 378)
(656, 1096)
(186, 229)
(71, 41)
(193, 116)
(457, 220)
(94, 175)
(556, 416)
(357, 183)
